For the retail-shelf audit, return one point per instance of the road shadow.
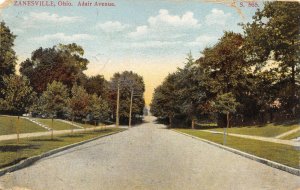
(15, 147)
(47, 140)
(72, 136)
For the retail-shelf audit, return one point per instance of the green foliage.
(53, 101)
(225, 103)
(224, 64)
(63, 63)
(165, 102)
(78, 104)
(7, 54)
(127, 82)
(181, 94)
(273, 37)
(248, 77)
(18, 95)
(98, 108)
(96, 84)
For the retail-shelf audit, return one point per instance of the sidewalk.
(55, 132)
(267, 139)
(288, 133)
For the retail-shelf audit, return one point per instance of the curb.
(273, 164)
(29, 161)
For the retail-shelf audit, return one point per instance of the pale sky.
(151, 38)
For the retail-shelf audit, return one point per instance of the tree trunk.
(193, 123)
(170, 121)
(293, 91)
(18, 131)
(52, 128)
(72, 125)
(225, 128)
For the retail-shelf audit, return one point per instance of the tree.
(225, 69)
(226, 104)
(98, 108)
(165, 102)
(18, 95)
(192, 92)
(273, 36)
(127, 82)
(8, 56)
(79, 103)
(96, 84)
(63, 63)
(54, 99)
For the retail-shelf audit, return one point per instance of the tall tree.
(63, 63)
(165, 102)
(54, 99)
(99, 109)
(8, 56)
(128, 82)
(274, 35)
(79, 103)
(18, 95)
(191, 91)
(225, 68)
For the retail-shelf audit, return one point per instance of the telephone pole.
(118, 102)
(130, 112)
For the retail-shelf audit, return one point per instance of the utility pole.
(118, 102)
(130, 112)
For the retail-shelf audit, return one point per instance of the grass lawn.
(8, 125)
(57, 125)
(284, 154)
(269, 130)
(11, 153)
(87, 125)
(292, 136)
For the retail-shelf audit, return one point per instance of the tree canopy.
(253, 76)
(18, 95)
(8, 56)
(62, 63)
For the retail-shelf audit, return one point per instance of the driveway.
(148, 157)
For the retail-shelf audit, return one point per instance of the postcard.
(149, 94)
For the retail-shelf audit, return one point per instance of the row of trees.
(247, 78)
(52, 83)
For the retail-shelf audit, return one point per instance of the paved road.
(148, 157)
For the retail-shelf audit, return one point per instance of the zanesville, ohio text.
(62, 3)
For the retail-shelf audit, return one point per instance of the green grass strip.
(11, 152)
(57, 125)
(8, 125)
(292, 136)
(269, 130)
(284, 154)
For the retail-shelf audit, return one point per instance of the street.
(148, 156)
